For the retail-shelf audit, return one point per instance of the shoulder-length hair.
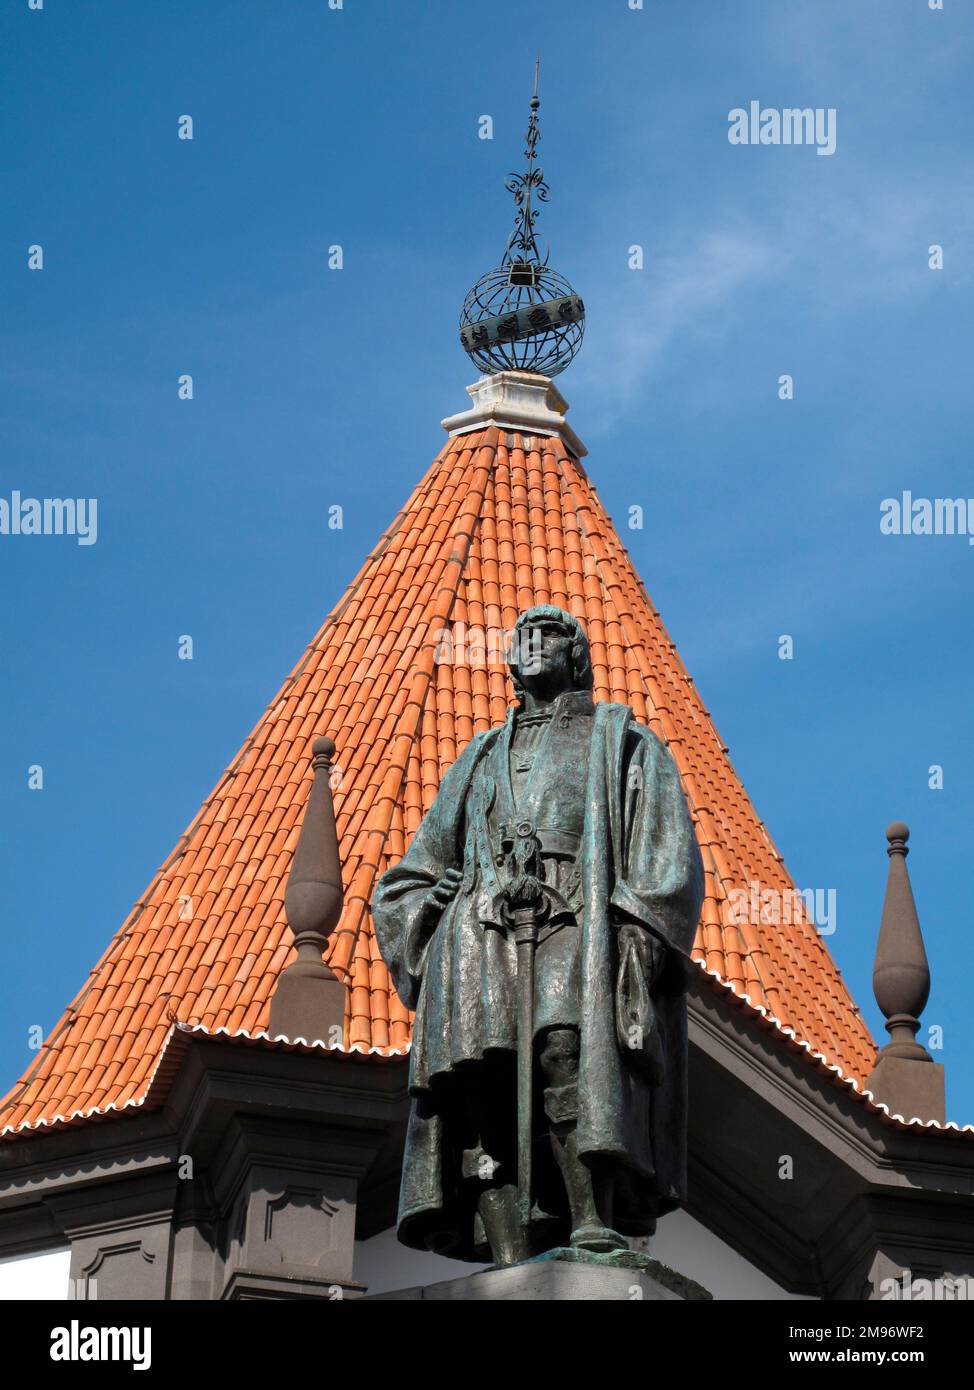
(582, 675)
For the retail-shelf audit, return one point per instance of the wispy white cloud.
(841, 251)
(678, 296)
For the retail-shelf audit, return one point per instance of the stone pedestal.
(308, 1004)
(910, 1087)
(562, 1276)
(520, 401)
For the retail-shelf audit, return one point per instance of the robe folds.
(638, 862)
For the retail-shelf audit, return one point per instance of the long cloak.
(639, 862)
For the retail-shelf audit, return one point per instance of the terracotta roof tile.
(497, 524)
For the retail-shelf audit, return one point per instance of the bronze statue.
(540, 924)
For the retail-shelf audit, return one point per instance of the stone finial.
(901, 976)
(309, 1001)
(905, 1076)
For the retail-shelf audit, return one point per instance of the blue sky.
(314, 387)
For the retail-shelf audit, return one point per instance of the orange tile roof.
(500, 522)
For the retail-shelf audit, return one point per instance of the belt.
(552, 841)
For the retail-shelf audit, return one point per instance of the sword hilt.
(526, 920)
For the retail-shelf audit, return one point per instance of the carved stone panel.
(292, 1226)
(121, 1264)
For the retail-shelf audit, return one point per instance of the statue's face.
(545, 658)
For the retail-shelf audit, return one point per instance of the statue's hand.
(649, 949)
(524, 891)
(442, 894)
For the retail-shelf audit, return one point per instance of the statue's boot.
(498, 1210)
(590, 1200)
(589, 1194)
(598, 1239)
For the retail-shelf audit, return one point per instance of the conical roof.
(505, 518)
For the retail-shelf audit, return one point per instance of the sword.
(527, 907)
(525, 939)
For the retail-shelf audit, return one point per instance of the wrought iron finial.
(521, 245)
(523, 316)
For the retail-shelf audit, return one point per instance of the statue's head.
(549, 653)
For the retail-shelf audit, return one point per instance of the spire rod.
(521, 245)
